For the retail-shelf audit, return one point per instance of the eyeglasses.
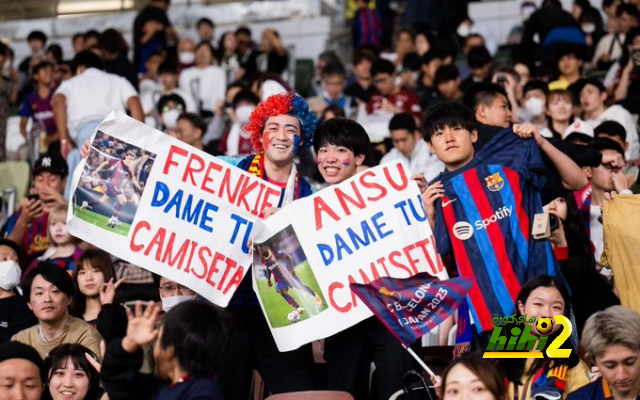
(170, 289)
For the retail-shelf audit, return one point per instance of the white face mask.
(170, 119)
(9, 275)
(169, 302)
(187, 57)
(588, 28)
(535, 106)
(243, 113)
(463, 30)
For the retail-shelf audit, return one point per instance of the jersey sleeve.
(443, 241)
(521, 155)
(25, 107)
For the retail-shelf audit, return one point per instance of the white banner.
(370, 226)
(158, 203)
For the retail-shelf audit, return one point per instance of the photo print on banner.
(112, 182)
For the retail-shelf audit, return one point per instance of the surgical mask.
(535, 106)
(187, 57)
(169, 302)
(170, 119)
(463, 30)
(588, 28)
(9, 275)
(243, 113)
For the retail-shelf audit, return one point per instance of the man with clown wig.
(280, 126)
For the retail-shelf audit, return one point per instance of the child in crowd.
(95, 285)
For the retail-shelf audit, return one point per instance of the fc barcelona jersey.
(485, 219)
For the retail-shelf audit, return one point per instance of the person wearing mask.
(49, 290)
(204, 82)
(14, 313)
(534, 96)
(169, 107)
(22, 368)
(28, 226)
(172, 293)
(186, 54)
(236, 142)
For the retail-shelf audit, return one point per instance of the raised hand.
(108, 291)
(141, 326)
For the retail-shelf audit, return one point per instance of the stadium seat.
(303, 76)
(15, 174)
(312, 395)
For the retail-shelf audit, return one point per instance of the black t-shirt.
(277, 63)
(14, 317)
(149, 13)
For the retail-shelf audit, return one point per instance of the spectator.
(615, 131)
(333, 84)
(409, 146)
(332, 111)
(509, 79)
(275, 57)
(204, 81)
(405, 48)
(188, 328)
(389, 97)
(190, 129)
(22, 367)
(236, 142)
(152, 32)
(593, 97)
(54, 54)
(222, 119)
(569, 66)
(37, 40)
(611, 339)
(69, 371)
(14, 313)
(472, 378)
(186, 54)
(91, 38)
(77, 43)
(489, 103)
(50, 290)
(627, 87)
(423, 43)
(610, 47)
(325, 59)
(448, 82)
(168, 75)
(367, 25)
(535, 95)
(61, 73)
(37, 106)
(95, 298)
(479, 60)
(28, 225)
(426, 86)
(247, 54)
(169, 108)
(361, 88)
(228, 56)
(559, 111)
(8, 93)
(78, 111)
(206, 30)
(114, 50)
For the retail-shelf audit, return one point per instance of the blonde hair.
(616, 325)
(59, 210)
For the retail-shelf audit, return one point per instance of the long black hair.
(578, 241)
(514, 368)
(58, 359)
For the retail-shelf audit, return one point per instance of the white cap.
(579, 126)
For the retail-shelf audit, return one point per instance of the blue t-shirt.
(485, 219)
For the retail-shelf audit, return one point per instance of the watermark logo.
(522, 343)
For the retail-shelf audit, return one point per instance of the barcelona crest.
(494, 182)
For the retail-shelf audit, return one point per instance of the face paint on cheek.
(346, 163)
(319, 161)
(265, 140)
(296, 144)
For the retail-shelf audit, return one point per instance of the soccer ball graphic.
(112, 223)
(544, 326)
(293, 317)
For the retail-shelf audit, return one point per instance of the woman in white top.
(205, 82)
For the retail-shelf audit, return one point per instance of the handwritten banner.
(306, 255)
(158, 203)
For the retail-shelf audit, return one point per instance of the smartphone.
(33, 197)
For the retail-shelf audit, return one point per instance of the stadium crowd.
(545, 125)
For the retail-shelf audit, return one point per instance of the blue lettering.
(160, 195)
(379, 225)
(326, 253)
(206, 218)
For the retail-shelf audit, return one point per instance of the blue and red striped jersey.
(485, 220)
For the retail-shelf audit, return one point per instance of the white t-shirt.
(92, 95)
(621, 115)
(205, 86)
(421, 162)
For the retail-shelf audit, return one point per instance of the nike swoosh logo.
(446, 203)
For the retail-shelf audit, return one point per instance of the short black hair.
(39, 66)
(37, 35)
(535, 84)
(87, 59)
(162, 101)
(91, 33)
(446, 114)
(168, 68)
(190, 328)
(243, 30)
(51, 273)
(601, 144)
(245, 96)
(382, 66)
(482, 93)
(206, 21)
(342, 132)
(195, 120)
(478, 57)
(429, 56)
(403, 121)
(611, 128)
(446, 73)
(56, 52)
(13, 246)
(333, 70)
(626, 8)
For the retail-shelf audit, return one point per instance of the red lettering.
(158, 240)
(393, 259)
(333, 287)
(403, 177)
(203, 261)
(246, 189)
(372, 185)
(182, 252)
(209, 178)
(353, 294)
(237, 278)
(255, 210)
(343, 198)
(266, 202)
(194, 245)
(212, 268)
(226, 184)
(139, 225)
(320, 206)
(190, 168)
(173, 150)
(423, 245)
(412, 261)
(381, 261)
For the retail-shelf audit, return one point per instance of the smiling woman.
(70, 376)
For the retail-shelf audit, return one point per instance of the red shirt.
(406, 100)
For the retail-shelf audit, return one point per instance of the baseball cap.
(53, 163)
(579, 126)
